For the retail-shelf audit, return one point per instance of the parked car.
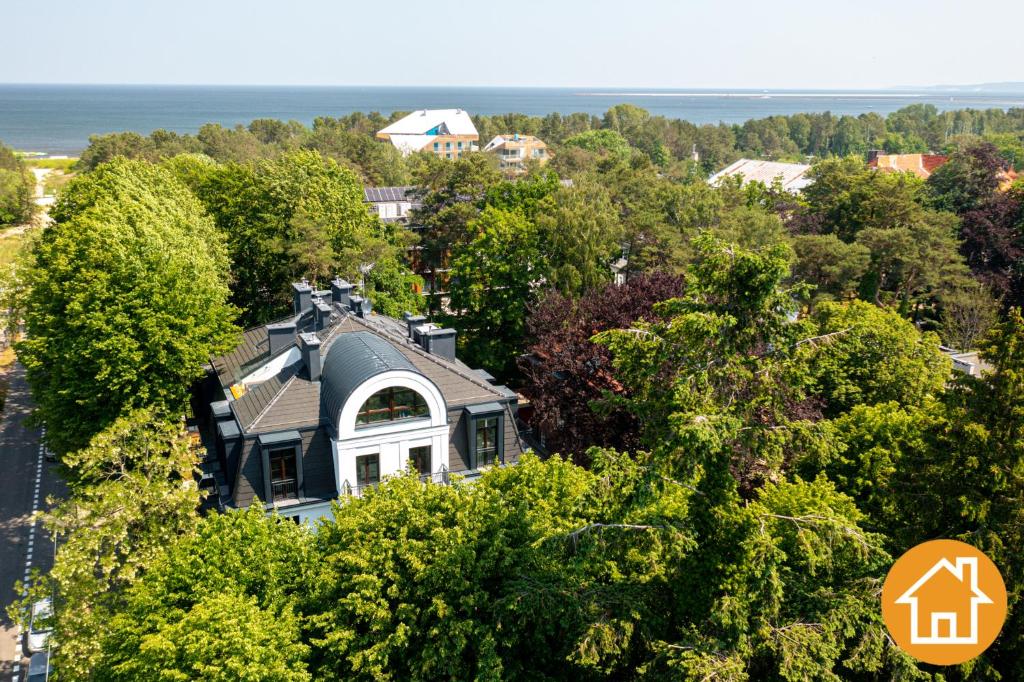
(39, 626)
(39, 667)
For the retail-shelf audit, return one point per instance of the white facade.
(390, 441)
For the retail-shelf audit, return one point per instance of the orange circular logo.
(944, 602)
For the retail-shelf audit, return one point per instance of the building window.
(367, 471)
(460, 145)
(486, 430)
(447, 145)
(283, 479)
(420, 458)
(448, 155)
(437, 146)
(394, 403)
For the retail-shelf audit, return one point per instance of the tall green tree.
(299, 215)
(219, 604)
(867, 355)
(133, 494)
(17, 185)
(580, 235)
(493, 281)
(125, 301)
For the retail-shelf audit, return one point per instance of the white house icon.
(940, 616)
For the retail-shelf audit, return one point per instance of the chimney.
(365, 307)
(310, 345)
(440, 342)
(321, 314)
(302, 297)
(340, 291)
(414, 321)
(279, 336)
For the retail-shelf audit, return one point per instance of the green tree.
(17, 185)
(133, 494)
(866, 355)
(125, 301)
(220, 603)
(394, 289)
(603, 142)
(580, 236)
(913, 265)
(834, 267)
(493, 279)
(846, 197)
(297, 216)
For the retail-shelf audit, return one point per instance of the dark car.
(39, 667)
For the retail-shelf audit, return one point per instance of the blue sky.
(573, 43)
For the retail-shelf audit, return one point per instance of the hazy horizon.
(651, 44)
(626, 89)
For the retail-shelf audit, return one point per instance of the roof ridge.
(472, 377)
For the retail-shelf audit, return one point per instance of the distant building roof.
(792, 175)
(418, 129)
(969, 362)
(921, 165)
(510, 140)
(377, 195)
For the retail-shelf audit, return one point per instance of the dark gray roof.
(352, 359)
(279, 437)
(484, 408)
(290, 400)
(375, 195)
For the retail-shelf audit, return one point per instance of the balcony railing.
(284, 489)
(439, 477)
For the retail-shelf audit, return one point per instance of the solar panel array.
(376, 195)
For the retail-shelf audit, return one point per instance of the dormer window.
(283, 475)
(391, 404)
(485, 434)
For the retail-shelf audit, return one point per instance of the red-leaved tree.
(568, 378)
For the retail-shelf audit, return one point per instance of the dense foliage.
(125, 301)
(751, 426)
(17, 185)
(623, 131)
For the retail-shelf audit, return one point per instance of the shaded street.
(26, 482)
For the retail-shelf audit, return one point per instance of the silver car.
(39, 626)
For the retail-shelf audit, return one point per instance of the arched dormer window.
(394, 403)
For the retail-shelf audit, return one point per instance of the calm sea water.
(58, 119)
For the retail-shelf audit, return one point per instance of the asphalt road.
(26, 481)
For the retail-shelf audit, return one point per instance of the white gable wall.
(391, 441)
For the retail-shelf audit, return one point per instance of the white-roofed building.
(793, 176)
(445, 132)
(514, 150)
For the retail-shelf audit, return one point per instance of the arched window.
(392, 404)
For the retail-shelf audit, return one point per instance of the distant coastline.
(58, 119)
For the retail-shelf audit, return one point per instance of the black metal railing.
(284, 489)
(440, 477)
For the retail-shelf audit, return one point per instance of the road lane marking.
(19, 654)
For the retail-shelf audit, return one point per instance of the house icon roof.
(957, 570)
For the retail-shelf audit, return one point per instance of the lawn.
(56, 164)
(9, 247)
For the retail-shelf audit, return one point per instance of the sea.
(58, 119)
